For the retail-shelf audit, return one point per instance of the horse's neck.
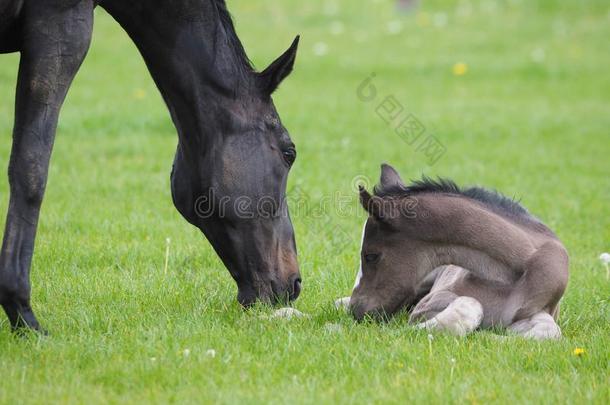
(187, 50)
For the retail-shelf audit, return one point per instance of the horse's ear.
(390, 177)
(270, 78)
(373, 205)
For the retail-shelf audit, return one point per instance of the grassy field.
(518, 92)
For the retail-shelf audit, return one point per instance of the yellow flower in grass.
(579, 351)
(139, 94)
(423, 19)
(460, 69)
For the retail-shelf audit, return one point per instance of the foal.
(459, 259)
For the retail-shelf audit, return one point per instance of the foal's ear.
(390, 177)
(371, 204)
(270, 78)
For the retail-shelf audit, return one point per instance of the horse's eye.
(371, 258)
(290, 155)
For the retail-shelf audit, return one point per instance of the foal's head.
(231, 183)
(389, 260)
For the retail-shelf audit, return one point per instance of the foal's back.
(473, 235)
(508, 260)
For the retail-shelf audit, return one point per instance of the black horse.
(233, 155)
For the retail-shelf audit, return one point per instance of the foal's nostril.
(357, 311)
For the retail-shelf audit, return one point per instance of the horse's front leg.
(55, 41)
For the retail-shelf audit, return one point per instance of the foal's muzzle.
(361, 311)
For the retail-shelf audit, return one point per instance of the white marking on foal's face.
(359, 276)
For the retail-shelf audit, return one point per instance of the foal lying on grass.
(458, 259)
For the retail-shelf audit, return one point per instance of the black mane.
(491, 198)
(234, 42)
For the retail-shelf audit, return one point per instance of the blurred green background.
(517, 92)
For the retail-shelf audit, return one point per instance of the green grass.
(531, 117)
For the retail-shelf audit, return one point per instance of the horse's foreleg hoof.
(23, 329)
(22, 319)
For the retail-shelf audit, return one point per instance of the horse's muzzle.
(272, 294)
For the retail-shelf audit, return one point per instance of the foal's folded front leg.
(462, 316)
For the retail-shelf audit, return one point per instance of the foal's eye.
(290, 155)
(371, 258)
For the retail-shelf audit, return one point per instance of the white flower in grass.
(211, 353)
(167, 243)
(605, 259)
(333, 327)
(394, 27)
(452, 367)
(360, 37)
(186, 352)
(430, 339)
(489, 6)
(440, 20)
(287, 313)
(337, 28)
(331, 8)
(538, 55)
(464, 9)
(320, 49)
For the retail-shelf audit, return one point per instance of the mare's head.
(388, 280)
(230, 179)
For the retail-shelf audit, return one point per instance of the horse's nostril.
(296, 288)
(246, 297)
